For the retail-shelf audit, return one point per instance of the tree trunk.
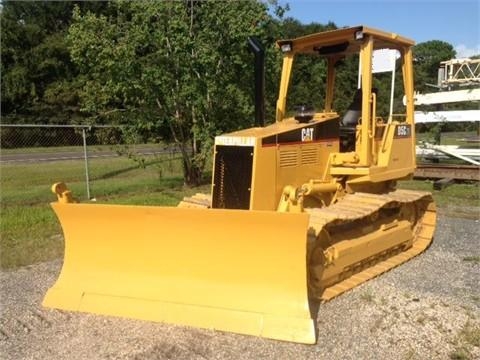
(192, 174)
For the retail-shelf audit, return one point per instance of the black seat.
(349, 122)
(354, 111)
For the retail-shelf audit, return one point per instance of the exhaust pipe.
(257, 48)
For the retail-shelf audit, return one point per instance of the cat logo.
(307, 134)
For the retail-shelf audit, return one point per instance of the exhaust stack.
(259, 52)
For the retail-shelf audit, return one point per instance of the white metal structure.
(422, 117)
(455, 73)
(444, 97)
(452, 73)
(427, 150)
(459, 72)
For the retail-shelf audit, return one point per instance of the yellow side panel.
(232, 270)
(263, 179)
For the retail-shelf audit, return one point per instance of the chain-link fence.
(93, 160)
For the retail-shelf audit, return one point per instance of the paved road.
(73, 155)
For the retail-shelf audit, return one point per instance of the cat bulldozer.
(300, 211)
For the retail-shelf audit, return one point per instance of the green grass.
(78, 148)
(471, 334)
(450, 138)
(472, 259)
(29, 230)
(452, 197)
(468, 337)
(460, 354)
(367, 296)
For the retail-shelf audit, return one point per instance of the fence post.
(85, 155)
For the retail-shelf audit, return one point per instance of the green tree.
(307, 85)
(427, 58)
(308, 79)
(37, 74)
(177, 65)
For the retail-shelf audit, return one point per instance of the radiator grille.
(233, 177)
(288, 158)
(309, 155)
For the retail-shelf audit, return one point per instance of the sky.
(455, 22)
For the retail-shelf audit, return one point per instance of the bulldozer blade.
(231, 270)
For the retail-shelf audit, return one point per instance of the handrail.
(373, 116)
(373, 127)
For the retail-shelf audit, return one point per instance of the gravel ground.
(428, 308)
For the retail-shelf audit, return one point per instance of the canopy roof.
(345, 41)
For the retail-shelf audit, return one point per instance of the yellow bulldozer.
(300, 211)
